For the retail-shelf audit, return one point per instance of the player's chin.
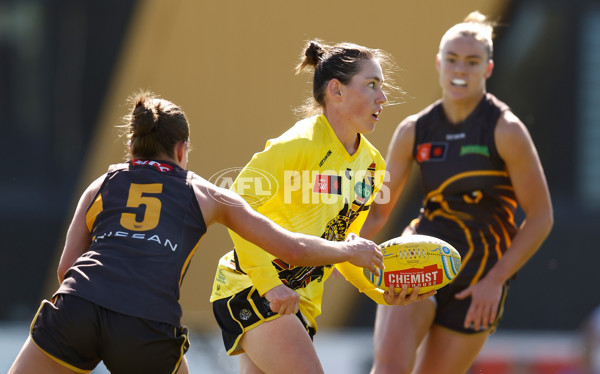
(369, 128)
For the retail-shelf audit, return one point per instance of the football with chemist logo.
(416, 260)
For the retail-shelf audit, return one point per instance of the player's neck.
(346, 134)
(458, 110)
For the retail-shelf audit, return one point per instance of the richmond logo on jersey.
(296, 277)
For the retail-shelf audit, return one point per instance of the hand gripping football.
(416, 260)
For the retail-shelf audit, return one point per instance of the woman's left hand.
(485, 298)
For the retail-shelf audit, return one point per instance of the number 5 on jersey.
(135, 200)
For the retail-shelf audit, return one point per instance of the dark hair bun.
(314, 52)
(144, 119)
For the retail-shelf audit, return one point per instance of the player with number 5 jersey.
(129, 245)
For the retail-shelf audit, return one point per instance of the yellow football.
(416, 260)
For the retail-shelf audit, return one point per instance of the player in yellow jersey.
(128, 247)
(318, 178)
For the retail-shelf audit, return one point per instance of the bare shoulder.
(403, 139)
(509, 125)
(92, 190)
(407, 126)
(200, 184)
(511, 135)
(206, 193)
(215, 202)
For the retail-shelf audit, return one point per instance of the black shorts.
(243, 311)
(79, 334)
(451, 312)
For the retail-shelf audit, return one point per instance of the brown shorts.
(79, 334)
(451, 312)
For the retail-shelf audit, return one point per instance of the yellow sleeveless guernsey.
(305, 181)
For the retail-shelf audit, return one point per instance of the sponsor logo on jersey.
(434, 151)
(326, 186)
(460, 135)
(475, 149)
(325, 158)
(296, 277)
(363, 190)
(162, 241)
(329, 184)
(159, 166)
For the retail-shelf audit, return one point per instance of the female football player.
(129, 245)
(477, 163)
(328, 174)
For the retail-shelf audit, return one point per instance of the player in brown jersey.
(129, 244)
(477, 163)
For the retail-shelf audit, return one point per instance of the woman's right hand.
(283, 300)
(402, 297)
(364, 253)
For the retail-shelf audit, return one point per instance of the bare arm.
(78, 236)
(527, 176)
(398, 165)
(298, 249)
(228, 208)
(516, 148)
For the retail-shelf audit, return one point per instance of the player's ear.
(334, 88)
(489, 69)
(180, 151)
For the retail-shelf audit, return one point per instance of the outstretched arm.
(298, 249)
(228, 208)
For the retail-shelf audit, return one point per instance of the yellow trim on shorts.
(236, 348)
(61, 362)
(178, 364)
(58, 360)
